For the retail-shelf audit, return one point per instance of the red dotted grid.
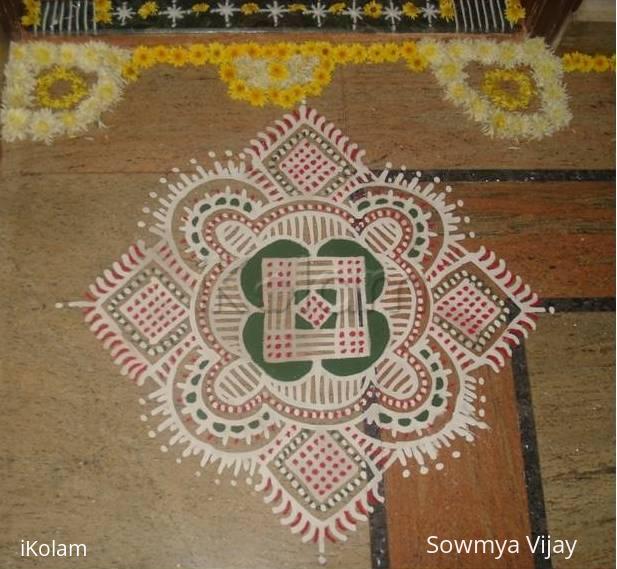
(315, 309)
(467, 308)
(154, 310)
(308, 167)
(322, 465)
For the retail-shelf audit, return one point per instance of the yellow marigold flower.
(408, 49)
(417, 63)
(321, 76)
(324, 49)
(514, 11)
(253, 50)
(446, 9)
(391, 52)
(611, 63)
(102, 11)
(200, 8)
(337, 8)
(286, 99)
(238, 89)
(256, 97)
(148, 9)
(227, 72)
(143, 57)
(310, 48)
(410, 10)
(274, 96)
(216, 52)
(198, 54)
(178, 56)
(267, 51)
(297, 8)
(373, 9)
(160, 53)
(234, 50)
(249, 8)
(281, 50)
(33, 13)
(278, 71)
(297, 92)
(358, 53)
(600, 63)
(376, 53)
(343, 53)
(129, 72)
(569, 63)
(586, 63)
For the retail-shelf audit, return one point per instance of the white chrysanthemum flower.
(19, 73)
(44, 126)
(91, 56)
(486, 51)
(68, 54)
(17, 95)
(89, 111)
(433, 51)
(448, 72)
(72, 124)
(107, 91)
(43, 54)
(18, 52)
(461, 50)
(116, 57)
(15, 122)
(535, 48)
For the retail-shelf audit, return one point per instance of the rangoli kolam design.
(302, 323)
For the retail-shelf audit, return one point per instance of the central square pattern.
(315, 308)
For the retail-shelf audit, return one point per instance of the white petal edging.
(448, 66)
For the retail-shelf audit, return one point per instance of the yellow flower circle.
(74, 88)
(508, 89)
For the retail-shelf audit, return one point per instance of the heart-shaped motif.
(536, 75)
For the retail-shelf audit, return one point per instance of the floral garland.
(355, 13)
(93, 72)
(583, 63)
(516, 74)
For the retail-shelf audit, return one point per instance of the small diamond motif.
(467, 308)
(153, 310)
(308, 168)
(315, 309)
(322, 466)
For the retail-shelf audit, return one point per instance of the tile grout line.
(378, 527)
(531, 457)
(495, 175)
